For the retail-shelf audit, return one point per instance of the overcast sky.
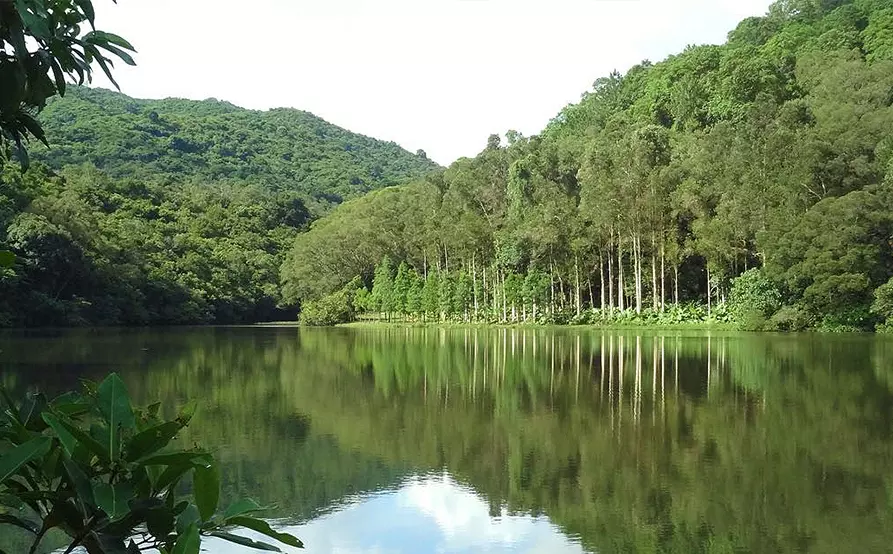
(440, 75)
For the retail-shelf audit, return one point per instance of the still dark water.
(421, 441)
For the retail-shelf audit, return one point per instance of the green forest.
(747, 183)
(172, 211)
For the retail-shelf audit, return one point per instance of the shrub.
(329, 310)
(753, 300)
(790, 318)
(883, 304)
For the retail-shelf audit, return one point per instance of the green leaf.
(86, 440)
(189, 516)
(13, 460)
(264, 528)
(125, 57)
(113, 499)
(59, 76)
(160, 522)
(6, 519)
(70, 404)
(171, 475)
(7, 258)
(206, 482)
(151, 440)
(188, 542)
(244, 506)
(22, 152)
(99, 37)
(69, 442)
(191, 459)
(104, 63)
(79, 481)
(114, 406)
(244, 541)
(11, 501)
(34, 128)
(86, 6)
(35, 24)
(152, 409)
(187, 412)
(31, 410)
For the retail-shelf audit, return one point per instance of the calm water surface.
(509, 440)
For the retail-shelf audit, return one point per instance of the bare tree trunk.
(474, 285)
(611, 303)
(591, 292)
(637, 267)
(708, 291)
(655, 304)
(579, 298)
(676, 284)
(663, 277)
(504, 305)
(551, 287)
(601, 280)
(621, 293)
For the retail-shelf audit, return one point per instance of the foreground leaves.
(97, 469)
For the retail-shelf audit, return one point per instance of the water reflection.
(426, 514)
(627, 442)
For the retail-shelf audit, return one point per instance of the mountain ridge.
(280, 148)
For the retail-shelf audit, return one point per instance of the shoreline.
(692, 326)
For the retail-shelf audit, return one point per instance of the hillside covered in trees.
(768, 156)
(172, 211)
(282, 149)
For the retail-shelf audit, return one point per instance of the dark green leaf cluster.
(100, 471)
(43, 42)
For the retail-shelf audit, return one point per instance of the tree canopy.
(663, 185)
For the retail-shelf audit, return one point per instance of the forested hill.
(768, 156)
(281, 149)
(172, 211)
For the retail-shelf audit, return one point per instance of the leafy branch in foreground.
(42, 42)
(92, 466)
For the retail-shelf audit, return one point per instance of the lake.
(412, 440)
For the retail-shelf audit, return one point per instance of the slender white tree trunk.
(601, 280)
(621, 293)
(663, 277)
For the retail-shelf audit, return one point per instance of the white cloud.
(427, 515)
(434, 74)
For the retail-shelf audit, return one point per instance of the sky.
(437, 75)
(431, 514)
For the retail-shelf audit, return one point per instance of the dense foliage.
(162, 236)
(212, 141)
(94, 250)
(101, 471)
(660, 187)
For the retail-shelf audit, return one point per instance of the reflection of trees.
(761, 443)
(633, 442)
